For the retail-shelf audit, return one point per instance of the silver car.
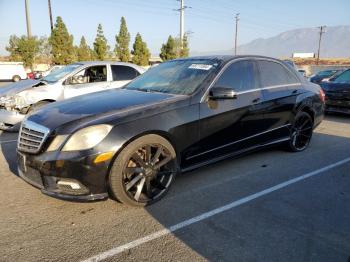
(19, 99)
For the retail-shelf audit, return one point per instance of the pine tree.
(61, 43)
(123, 41)
(100, 45)
(140, 51)
(168, 50)
(83, 51)
(184, 51)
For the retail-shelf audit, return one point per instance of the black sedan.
(337, 93)
(183, 114)
(325, 74)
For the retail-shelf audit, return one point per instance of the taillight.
(322, 96)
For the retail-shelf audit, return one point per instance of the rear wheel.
(144, 170)
(301, 132)
(16, 78)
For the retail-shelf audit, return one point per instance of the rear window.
(273, 74)
(122, 73)
(343, 78)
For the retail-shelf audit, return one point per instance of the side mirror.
(219, 93)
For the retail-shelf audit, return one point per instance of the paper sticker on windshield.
(200, 66)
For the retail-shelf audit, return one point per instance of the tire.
(16, 78)
(301, 132)
(138, 176)
(37, 106)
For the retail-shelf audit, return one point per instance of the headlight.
(87, 138)
(56, 143)
(7, 101)
(13, 101)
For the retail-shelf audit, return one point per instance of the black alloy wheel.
(143, 171)
(301, 132)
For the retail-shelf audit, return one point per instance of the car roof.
(94, 63)
(227, 58)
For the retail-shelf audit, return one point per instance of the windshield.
(343, 78)
(326, 73)
(181, 77)
(58, 74)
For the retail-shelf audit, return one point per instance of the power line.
(236, 32)
(322, 31)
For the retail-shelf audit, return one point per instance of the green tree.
(123, 41)
(83, 50)
(100, 45)
(24, 49)
(168, 50)
(185, 50)
(62, 44)
(140, 52)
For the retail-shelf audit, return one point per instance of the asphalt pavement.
(271, 205)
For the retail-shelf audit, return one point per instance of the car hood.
(330, 87)
(17, 87)
(88, 108)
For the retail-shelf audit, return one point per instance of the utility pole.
(182, 19)
(29, 31)
(50, 14)
(322, 31)
(237, 19)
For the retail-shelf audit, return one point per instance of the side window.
(91, 74)
(272, 74)
(122, 73)
(240, 76)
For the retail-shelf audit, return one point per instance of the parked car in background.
(290, 63)
(324, 75)
(302, 72)
(39, 75)
(17, 100)
(13, 71)
(337, 93)
(183, 114)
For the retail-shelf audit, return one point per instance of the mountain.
(335, 43)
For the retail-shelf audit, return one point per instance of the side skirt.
(233, 154)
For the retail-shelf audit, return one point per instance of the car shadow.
(8, 148)
(231, 238)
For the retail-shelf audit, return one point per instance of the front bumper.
(337, 105)
(52, 172)
(10, 120)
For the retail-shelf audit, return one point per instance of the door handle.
(256, 100)
(295, 91)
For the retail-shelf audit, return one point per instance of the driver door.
(228, 125)
(89, 80)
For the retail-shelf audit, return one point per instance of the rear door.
(122, 75)
(88, 80)
(280, 88)
(229, 125)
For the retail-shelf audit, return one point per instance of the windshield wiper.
(143, 90)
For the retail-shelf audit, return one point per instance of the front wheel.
(143, 171)
(301, 132)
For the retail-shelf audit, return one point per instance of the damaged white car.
(19, 99)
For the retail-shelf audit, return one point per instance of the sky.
(210, 23)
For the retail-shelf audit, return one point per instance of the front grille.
(31, 137)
